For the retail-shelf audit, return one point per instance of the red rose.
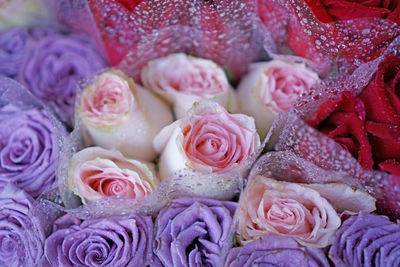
(368, 126)
(322, 30)
(336, 10)
(343, 120)
(382, 105)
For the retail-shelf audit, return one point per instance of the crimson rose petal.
(343, 120)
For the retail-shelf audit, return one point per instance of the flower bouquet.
(199, 133)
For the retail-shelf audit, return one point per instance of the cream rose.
(208, 139)
(272, 207)
(272, 87)
(183, 80)
(118, 114)
(95, 173)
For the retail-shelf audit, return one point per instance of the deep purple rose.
(112, 241)
(21, 237)
(192, 231)
(13, 47)
(275, 250)
(28, 149)
(55, 65)
(367, 240)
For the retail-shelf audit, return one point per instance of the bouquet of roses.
(200, 133)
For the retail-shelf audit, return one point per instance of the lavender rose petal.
(21, 237)
(366, 240)
(13, 47)
(275, 250)
(111, 241)
(55, 65)
(192, 231)
(28, 149)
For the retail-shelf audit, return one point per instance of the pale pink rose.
(118, 114)
(106, 101)
(272, 87)
(183, 80)
(208, 139)
(273, 207)
(95, 173)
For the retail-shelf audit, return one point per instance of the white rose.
(118, 114)
(209, 139)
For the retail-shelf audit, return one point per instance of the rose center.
(114, 186)
(280, 212)
(22, 149)
(8, 246)
(96, 254)
(209, 147)
(108, 101)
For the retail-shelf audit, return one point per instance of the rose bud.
(120, 115)
(208, 139)
(289, 209)
(183, 80)
(21, 234)
(112, 241)
(95, 173)
(275, 250)
(272, 87)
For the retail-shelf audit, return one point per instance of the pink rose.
(95, 173)
(272, 87)
(183, 80)
(208, 139)
(272, 207)
(118, 114)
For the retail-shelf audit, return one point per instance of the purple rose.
(54, 67)
(112, 241)
(275, 250)
(367, 240)
(28, 149)
(13, 47)
(192, 231)
(21, 237)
